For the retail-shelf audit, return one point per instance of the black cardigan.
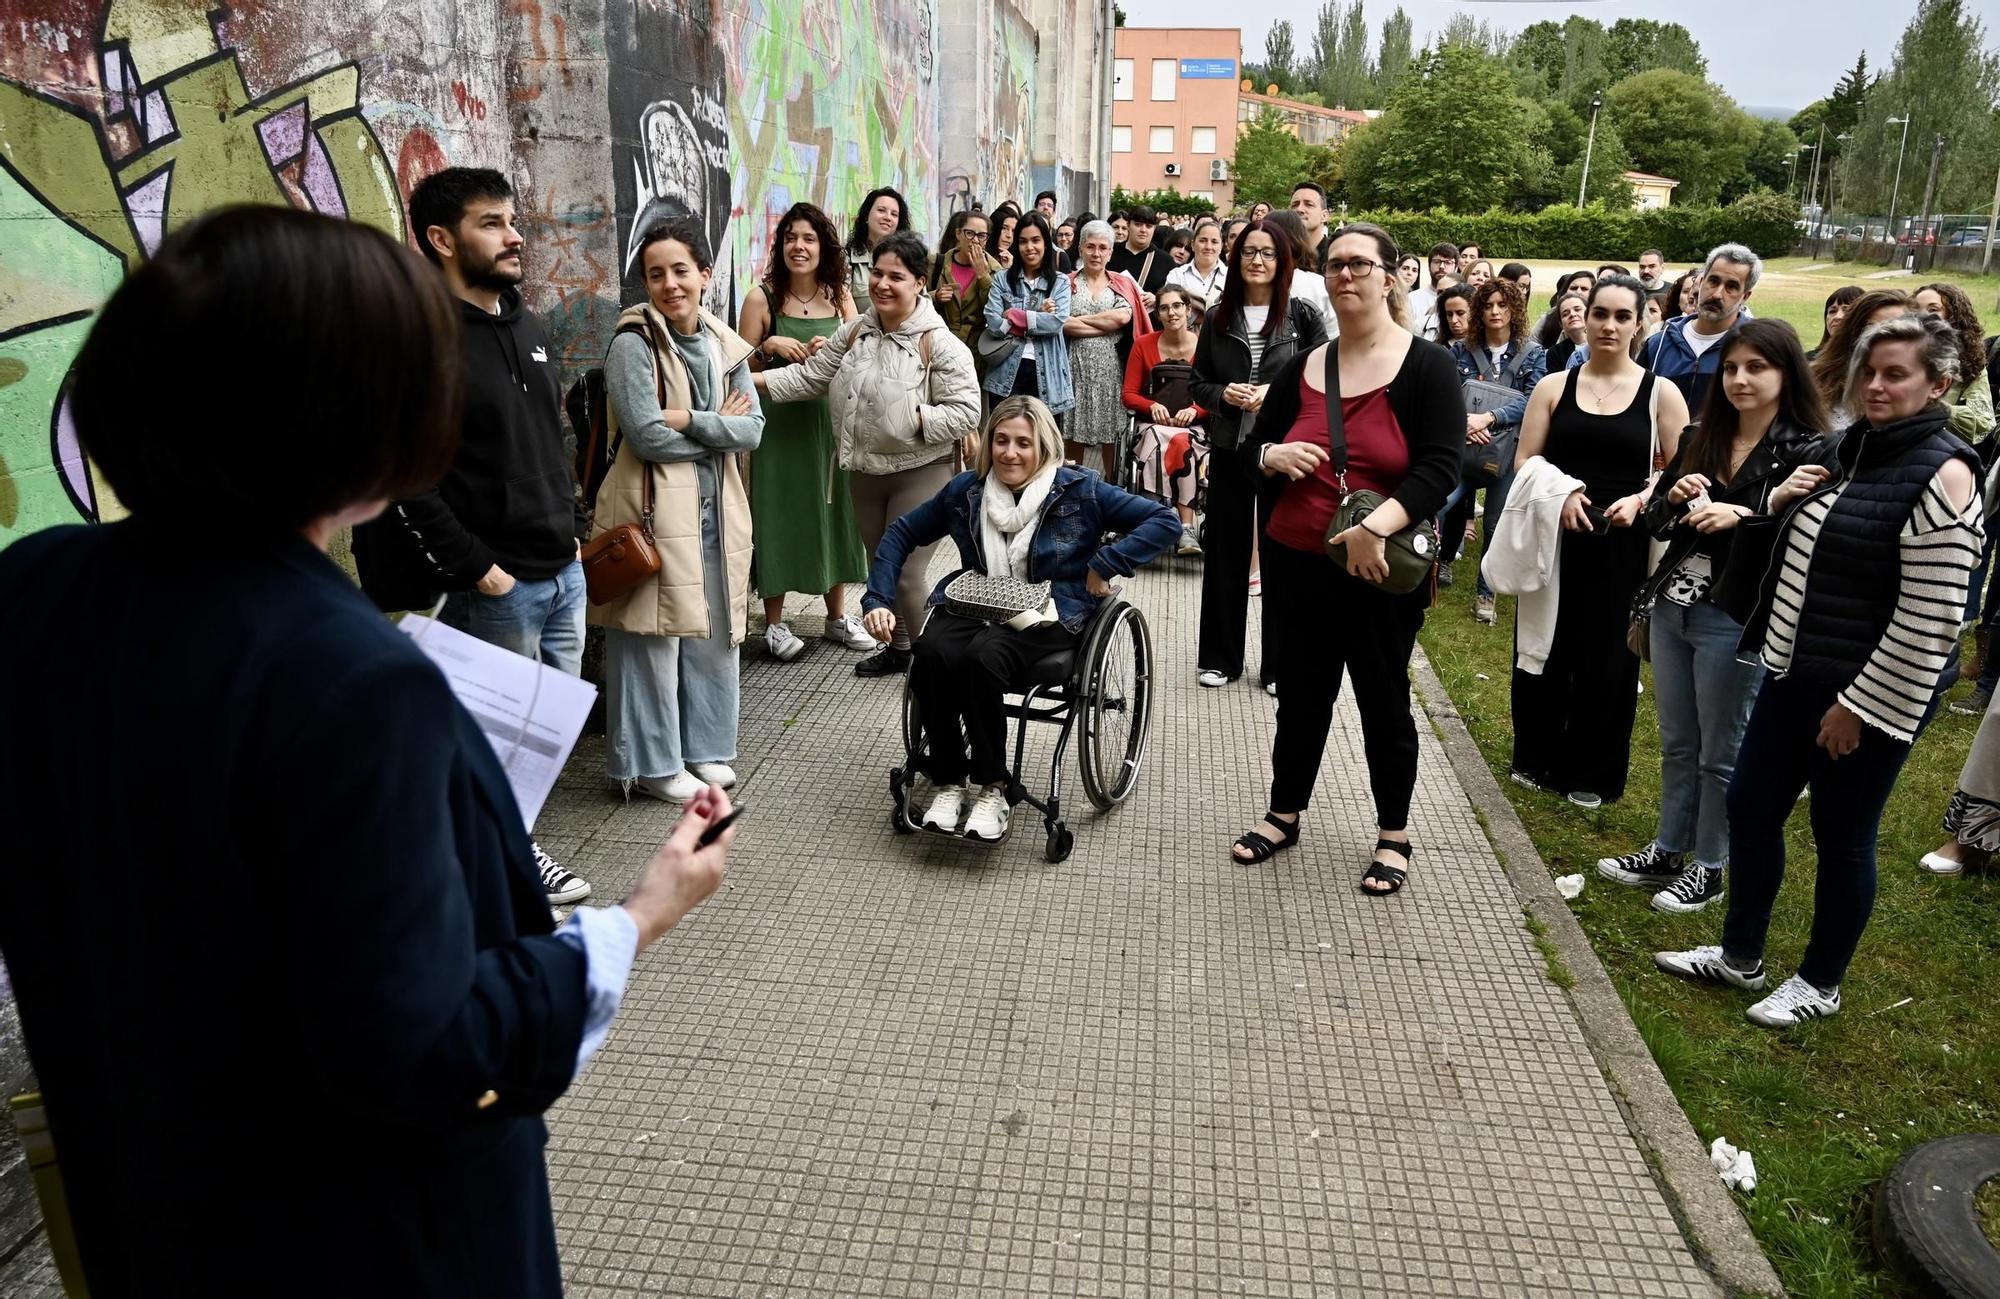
(1222, 357)
(1425, 397)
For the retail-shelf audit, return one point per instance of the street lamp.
(1896, 192)
(1583, 181)
(1814, 150)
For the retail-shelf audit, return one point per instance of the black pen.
(714, 832)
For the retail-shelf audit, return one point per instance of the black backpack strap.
(1336, 431)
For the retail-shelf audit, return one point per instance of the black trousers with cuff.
(1235, 518)
(960, 676)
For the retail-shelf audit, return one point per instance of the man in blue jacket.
(1685, 350)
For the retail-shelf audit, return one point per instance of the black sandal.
(1391, 875)
(1262, 849)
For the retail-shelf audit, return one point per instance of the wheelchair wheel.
(1060, 844)
(1116, 708)
(913, 729)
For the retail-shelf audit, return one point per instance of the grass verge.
(1826, 1108)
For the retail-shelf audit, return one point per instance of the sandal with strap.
(1393, 876)
(1262, 849)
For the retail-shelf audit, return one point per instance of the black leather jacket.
(1222, 357)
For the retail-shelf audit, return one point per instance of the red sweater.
(1145, 355)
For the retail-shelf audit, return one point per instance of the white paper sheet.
(531, 714)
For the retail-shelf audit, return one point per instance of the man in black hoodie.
(498, 535)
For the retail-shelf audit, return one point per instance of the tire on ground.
(1925, 1222)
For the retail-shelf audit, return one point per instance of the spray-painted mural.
(1005, 146)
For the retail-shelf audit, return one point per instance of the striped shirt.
(1939, 549)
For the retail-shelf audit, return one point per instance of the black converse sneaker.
(1696, 888)
(1650, 867)
(561, 886)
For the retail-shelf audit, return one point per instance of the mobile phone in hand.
(1596, 518)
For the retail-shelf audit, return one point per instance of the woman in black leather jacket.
(1253, 331)
(1763, 419)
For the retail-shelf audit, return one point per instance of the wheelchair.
(1100, 692)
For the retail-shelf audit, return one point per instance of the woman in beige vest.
(681, 398)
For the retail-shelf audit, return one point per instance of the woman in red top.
(1403, 423)
(1171, 450)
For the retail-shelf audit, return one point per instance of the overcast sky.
(1761, 53)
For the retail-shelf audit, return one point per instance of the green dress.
(800, 511)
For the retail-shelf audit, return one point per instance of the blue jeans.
(1778, 758)
(1496, 501)
(1702, 693)
(538, 620)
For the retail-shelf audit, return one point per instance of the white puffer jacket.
(900, 399)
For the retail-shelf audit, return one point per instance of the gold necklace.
(1599, 395)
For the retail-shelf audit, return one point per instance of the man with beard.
(498, 535)
(1685, 350)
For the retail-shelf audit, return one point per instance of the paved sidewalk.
(877, 1065)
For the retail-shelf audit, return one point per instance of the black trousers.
(1573, 722)
(1335, 623)
(1235, 519)
(961, 672)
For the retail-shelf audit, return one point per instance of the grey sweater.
(635, 400)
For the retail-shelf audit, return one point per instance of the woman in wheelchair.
(1171, 449)
(1019, 514)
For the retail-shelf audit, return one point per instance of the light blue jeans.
(672, 700)
(538, 620)
(1702, 693)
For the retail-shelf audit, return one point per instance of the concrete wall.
(121, 120)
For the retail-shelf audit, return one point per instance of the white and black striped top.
(1939, 549)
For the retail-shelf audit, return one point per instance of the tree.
(1563, 62)
(1945, 80)
(1393, 63)
(1453, 136)
(1325, 47)
(1462, 29)
(1278, 54)
(1350, 82)
(1770, 162)
(1679, 126)
(1635, 45)
(1269, 161)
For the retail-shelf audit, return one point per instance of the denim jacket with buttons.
(1079, 509)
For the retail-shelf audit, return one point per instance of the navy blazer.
(1079, 509)
(283, 962)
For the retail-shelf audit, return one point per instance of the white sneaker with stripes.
(1795, 1002)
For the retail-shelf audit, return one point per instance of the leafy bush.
(1761, 219)
(1165, 202)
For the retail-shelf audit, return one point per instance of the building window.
(1164, 75)
(1206, 195)
(1160, 139)
(1202, 140)
(1121, 78)
(1121, 139)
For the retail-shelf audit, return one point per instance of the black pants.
(963, 668)
(1573, 722)
(1235, 518)
(1332, 623)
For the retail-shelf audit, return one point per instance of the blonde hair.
(1048, 438)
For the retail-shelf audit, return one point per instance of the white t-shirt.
(1699, 342)
(1203, 291)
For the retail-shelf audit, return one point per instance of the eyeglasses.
(1260, 254)
(972, 234)
(1358, 267)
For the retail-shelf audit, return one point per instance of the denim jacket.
(1080, 508)
(1475, 362)
(1045, 327)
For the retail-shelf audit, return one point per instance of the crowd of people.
(1795, 539)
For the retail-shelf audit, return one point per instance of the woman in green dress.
(806, 539)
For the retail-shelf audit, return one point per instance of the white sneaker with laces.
(714, 773)
(848, 633)
(1211, 678)
(561, 886)
(987, 822)
(947, 809)
(677, 788)
(1706, 964)
(780, 644)
(1795, 1002)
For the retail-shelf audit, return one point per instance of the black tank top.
(1612, 454)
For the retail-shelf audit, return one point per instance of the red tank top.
(1377, 459)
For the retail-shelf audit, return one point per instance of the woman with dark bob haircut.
(384, 1007)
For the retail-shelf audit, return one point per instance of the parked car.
(1970, 237)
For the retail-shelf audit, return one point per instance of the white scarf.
(1007, 526)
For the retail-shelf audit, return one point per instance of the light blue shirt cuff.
(608, 937)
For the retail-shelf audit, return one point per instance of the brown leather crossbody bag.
(618, 560)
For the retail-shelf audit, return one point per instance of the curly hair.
(1517, 310)
(831, 272)
(1964, 321)
(1829, 366)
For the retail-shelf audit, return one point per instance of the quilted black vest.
(1856, 569)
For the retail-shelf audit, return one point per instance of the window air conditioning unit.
(1218, 170)
(1173, 169)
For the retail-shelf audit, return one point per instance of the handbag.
(1411, 552)
(1483, 396)
(617, 560)
(996, 599)
(994, 348)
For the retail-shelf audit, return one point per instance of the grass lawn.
(1826, 1108)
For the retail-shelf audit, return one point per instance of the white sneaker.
(1211, 678)
(677, 788)
(987, 822)
(848, 633)
(1707, 965)
(1795, 1002)
(714, 773)
(780, 644)
(947, 809)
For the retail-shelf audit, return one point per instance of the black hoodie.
(509, 498)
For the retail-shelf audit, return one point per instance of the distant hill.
(1766, 113)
